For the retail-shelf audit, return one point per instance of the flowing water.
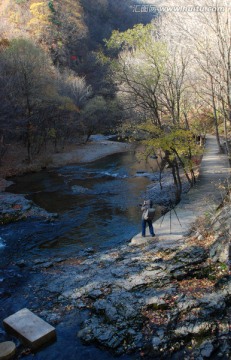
(97, 206)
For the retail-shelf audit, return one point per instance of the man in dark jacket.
(147, 220)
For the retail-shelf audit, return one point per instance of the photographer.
(147, 217)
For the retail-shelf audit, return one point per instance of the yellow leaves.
(180, 140)
(72, 14)
(14, 17)
(40, 20)
(60, 44)
(175, 142)
(68, 104)
(40, 11)
(52, 133)
(102, 58)
(150, 128)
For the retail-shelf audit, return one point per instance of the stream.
(98, 208)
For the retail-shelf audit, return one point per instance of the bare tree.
(206, 32)
(75, 87)
(152, 75)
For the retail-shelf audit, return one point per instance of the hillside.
(54, 88)
(67, 29)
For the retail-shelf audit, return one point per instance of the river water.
(97, 206)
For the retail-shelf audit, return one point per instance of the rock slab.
(32, 330)
(7, 350)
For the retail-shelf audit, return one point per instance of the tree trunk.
(29, 140)
(215, 119)
(176, 177)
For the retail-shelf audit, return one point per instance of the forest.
(54, 88)
(70, 69)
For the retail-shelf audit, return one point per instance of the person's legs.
(143, 227)
(151, 227)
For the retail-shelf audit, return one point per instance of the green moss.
(158, 306)
(8, 220)
(223, 266)
(20, 1)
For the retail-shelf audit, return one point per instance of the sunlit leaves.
(67, 104)
(52, 133)
(134, 38)
(26, 73)
(40, 12)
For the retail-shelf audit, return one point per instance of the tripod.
(172, 207)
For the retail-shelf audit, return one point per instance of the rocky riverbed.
(155, 300)
(158, 301)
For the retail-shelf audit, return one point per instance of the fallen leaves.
(155, 317)
(73, 262)
(205, 242)
(196, 287)
(17, 207)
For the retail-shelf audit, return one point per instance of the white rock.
(7, 350)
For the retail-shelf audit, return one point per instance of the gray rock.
(89, 250)
(156, 342)
(214, 301)
(103, 335)
(80, 305)
(115, 341)
(193, 328)
(47, 264)
(94, 294)
(7, 350)
(111, 314)
(86, 334)
(100, 305)
(161, 334)
(57, 260)
(77, 189)
(21, 263)
(155, 301)
(206, 349)
(119, 272)
(106, 309)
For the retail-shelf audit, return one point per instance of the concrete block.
(7, 350)
(29, 328)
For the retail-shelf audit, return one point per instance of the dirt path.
(203, 198)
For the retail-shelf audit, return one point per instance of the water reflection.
(97, 205)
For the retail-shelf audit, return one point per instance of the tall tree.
(151, 75)
(206, 34)
(27, 80)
